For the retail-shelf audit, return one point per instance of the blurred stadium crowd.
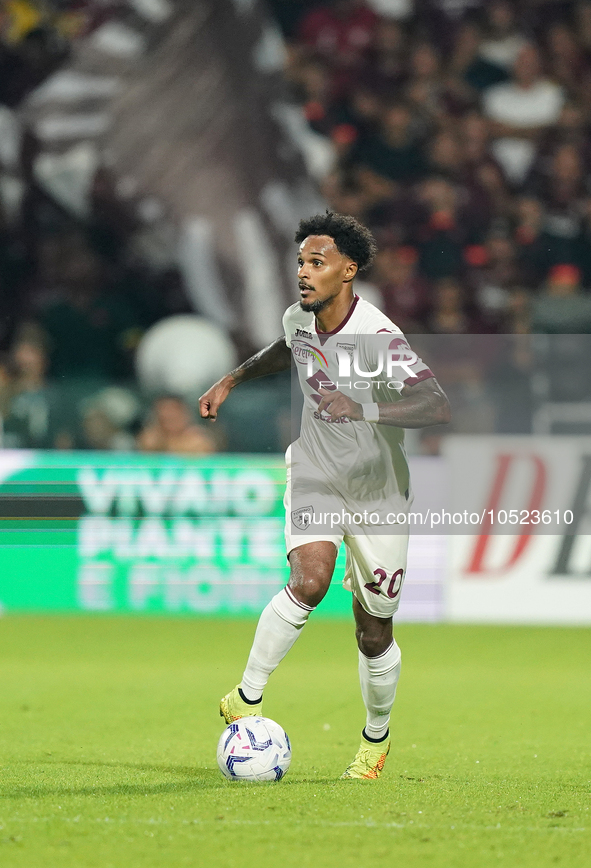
(458, 130)
(462, 133)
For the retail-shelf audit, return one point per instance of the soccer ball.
(254, 749)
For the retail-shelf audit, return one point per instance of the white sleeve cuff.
(371, 412)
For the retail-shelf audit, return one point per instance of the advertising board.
(107, 532)
(529, 561)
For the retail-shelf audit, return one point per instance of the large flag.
(189, 114)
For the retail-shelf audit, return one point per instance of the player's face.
(323, 272)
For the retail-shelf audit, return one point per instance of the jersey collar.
(341, 325)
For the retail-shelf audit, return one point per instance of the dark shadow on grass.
(321, 782)
(189, 771)
(192, 780)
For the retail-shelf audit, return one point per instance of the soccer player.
(347, 474)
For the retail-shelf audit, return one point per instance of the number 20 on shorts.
(394, 584)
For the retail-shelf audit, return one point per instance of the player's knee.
(311, 583)
(311, 573)
(373, 640)
(310, 588)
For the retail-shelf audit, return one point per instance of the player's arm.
(276, 357)
(420, 406)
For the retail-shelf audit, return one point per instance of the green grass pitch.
(109, 726)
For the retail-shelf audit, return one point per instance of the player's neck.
(334, 313)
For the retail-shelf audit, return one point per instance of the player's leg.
(280, 624)
(311, 569)
(379, 670)
(376, 597)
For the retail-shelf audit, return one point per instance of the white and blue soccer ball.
(254, 749)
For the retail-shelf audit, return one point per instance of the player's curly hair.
(350, 237)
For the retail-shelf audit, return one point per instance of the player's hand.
(211, 401)
(339, 406)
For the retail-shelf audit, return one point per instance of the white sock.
(379, 677)
(279, 626)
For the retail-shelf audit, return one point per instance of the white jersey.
(364, 463)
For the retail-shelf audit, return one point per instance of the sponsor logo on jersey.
(302, 333)
(340, 421)
(306, 354)
(302, 517)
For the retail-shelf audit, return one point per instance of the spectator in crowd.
(493, 276)
(385, 59)
(5, 387)
(405, 292)
(34, 416)
(517, 320)
(560, 183)
(571, 128)
(504, 39)
(339, 28)
(289, 14)
(313, 78)
(393, 10)
(445, 155)
(439, 19)
(582, 24)
(92, 330)
(562, 307)
(451, 312)
(341, 31)
(395, 152)
(357, 117)
(469, 67)
(480, 168)
(425, 89)
(520, 110)
(443, 234)
(172, 429)
(100, 432)
(107, 417)
(532, 240)
(567, 62)
(344, 195)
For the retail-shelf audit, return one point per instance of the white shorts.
(375, 562)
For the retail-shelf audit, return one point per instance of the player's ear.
(350, 272)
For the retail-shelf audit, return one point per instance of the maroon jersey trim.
(422, 375)
(340, 326)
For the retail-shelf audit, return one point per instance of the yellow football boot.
(369, 761)
(233, 707)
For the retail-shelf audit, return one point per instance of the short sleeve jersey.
(367, 358)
